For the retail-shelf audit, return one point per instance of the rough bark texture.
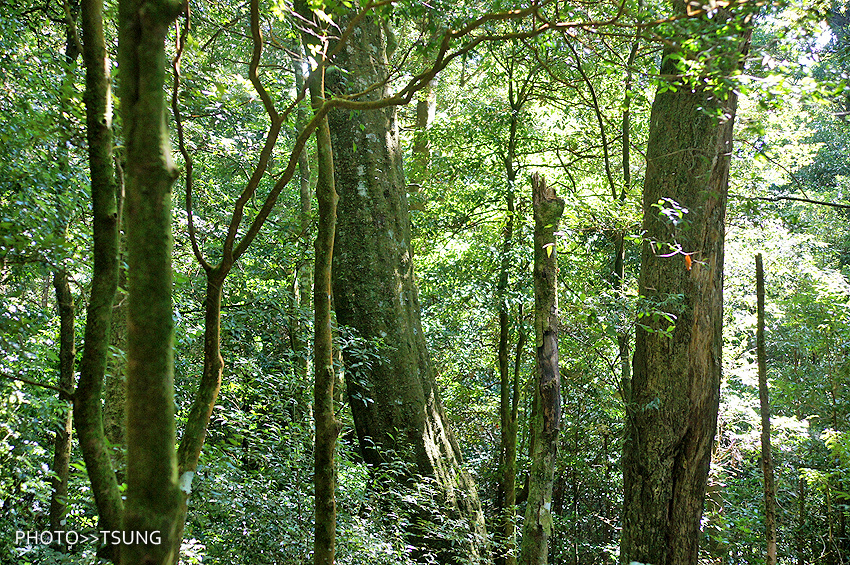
(672, 406)
(546, 422)
(396, 406)
(153, 497)
(764, 403)
(88, 417)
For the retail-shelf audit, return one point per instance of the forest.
(424, 282)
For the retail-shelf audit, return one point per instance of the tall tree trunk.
(396, 407)
(766, 457)
(88, 417)
(62, 442)
(675, 390)
(153, 496)
(546, 422)
(64, 298)
(508, 392)
(327, 426)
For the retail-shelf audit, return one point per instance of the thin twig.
(793, 199)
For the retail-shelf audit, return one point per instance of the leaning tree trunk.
(675, 390)
(396, 407)
(153, 497)
(546, 422)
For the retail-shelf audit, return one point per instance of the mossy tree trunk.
(88, 417)
(673, 402)
(327, 426)
(62, 441)
(64, 298)
(153, 497)
(397, 410)
(546, 420)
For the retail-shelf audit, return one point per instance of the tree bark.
(64, 301)
(62, 442)
(153, 496)
(766, 457)
(88, 416)
(327, 427)
(546, 422)
(397, 410)
(673, 403)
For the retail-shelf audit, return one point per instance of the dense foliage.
(552, 103)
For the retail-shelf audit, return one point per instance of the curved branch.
(403, 96)
(181, 140)
(256, 55)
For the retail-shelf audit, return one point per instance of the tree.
(396, 406)
(88, 413)
(764, 404)
(546, 414)
(153, 495)
(673, 402)
(327, 426)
